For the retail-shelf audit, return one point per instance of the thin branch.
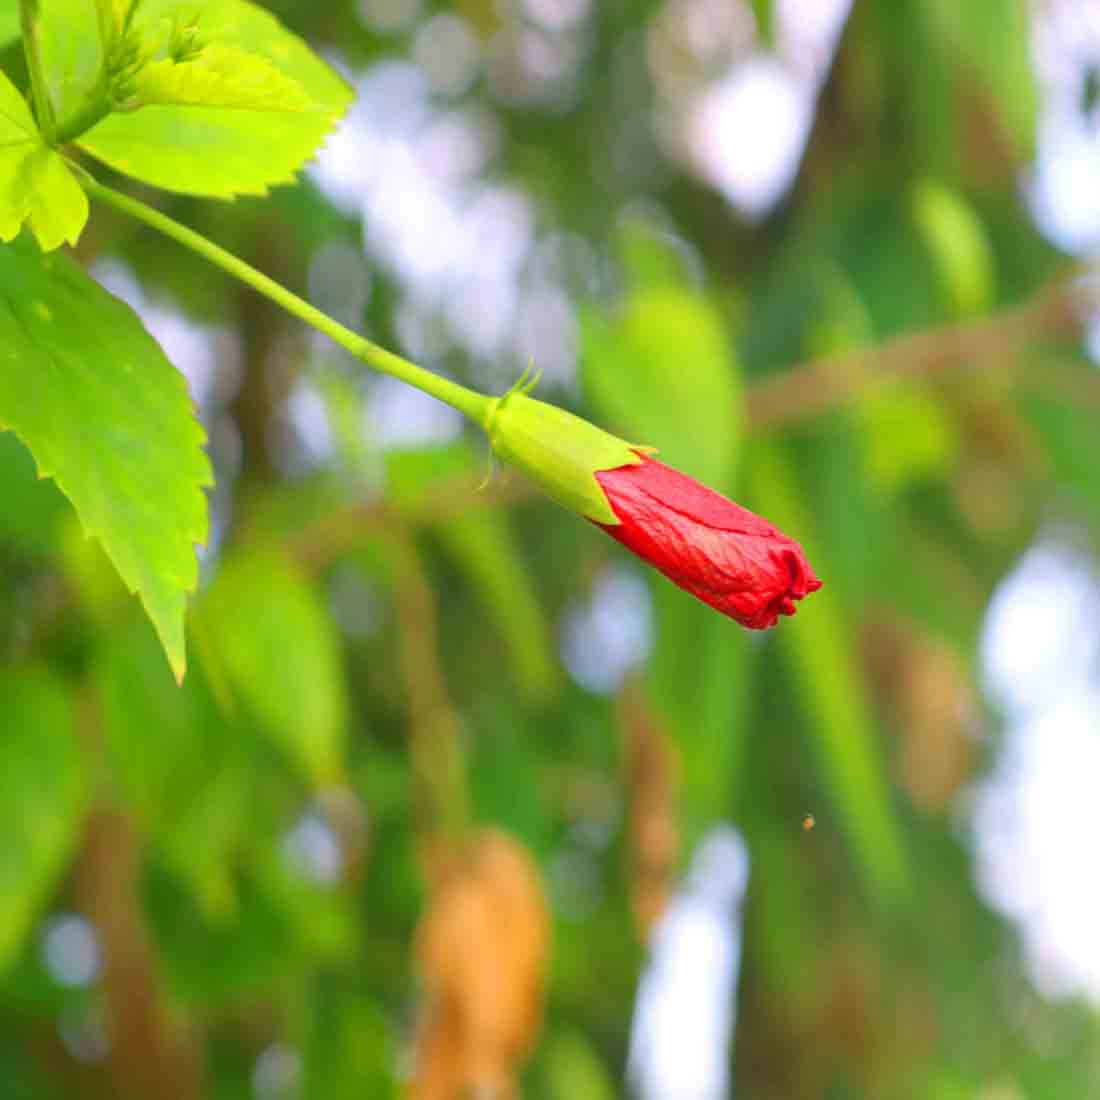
(342, 529)
(813, 388)
(153, 1051)
(435, 754)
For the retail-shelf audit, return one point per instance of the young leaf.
(35, 182)
(41, 791)
(221, 146)
(221, 76)
(106, 416)
(72, 54)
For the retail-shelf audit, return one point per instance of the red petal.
(722, 553)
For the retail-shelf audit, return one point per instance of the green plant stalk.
(477, 406)
(105, 16)
(43, 108)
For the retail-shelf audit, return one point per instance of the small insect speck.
(808, 822)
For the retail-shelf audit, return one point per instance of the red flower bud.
(713, 548)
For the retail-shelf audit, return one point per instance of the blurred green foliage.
(276, 801)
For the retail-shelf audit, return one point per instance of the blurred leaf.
(284, 926)
(908, 436)
(990, 39)
(36, 185)
(959, 246)
(9, 20)
(348, 1053)
(666, 353)
(483, 547)
(68, 34)
(699, 675)
(217, 152)
(32, 508)
(822, 663)
(571, 1068)
(175, 762)
(652, 258)
(1069, 433)
(41, 796)
(104, 413)
(277, 646)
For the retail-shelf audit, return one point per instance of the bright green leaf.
(220, 76)
(220, 152)
(35, 182)
(41, 794)
(105, 414)
(279, 651)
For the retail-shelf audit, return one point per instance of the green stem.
(105, 15)
(477, 406)
(43, 108)
(91, 111)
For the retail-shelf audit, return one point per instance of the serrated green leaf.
(277, 647)
(215, 150)
(35, 182)
(41, 794)
(105, 415)
(220, 76)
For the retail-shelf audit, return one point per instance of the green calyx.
(558, 451)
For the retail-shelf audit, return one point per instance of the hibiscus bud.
(706, 544)
(715, 549)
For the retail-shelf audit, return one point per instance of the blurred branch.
(652, 783)
(343, 529)
(151, 1052)
(812, 388)
(438, 766)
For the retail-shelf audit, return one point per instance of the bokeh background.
(457, 794)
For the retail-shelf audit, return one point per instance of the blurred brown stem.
(151, 1053)
(436, 755)
(652, 788)
(812, 388)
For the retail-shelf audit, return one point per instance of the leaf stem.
(477, 406)
(43, 108)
